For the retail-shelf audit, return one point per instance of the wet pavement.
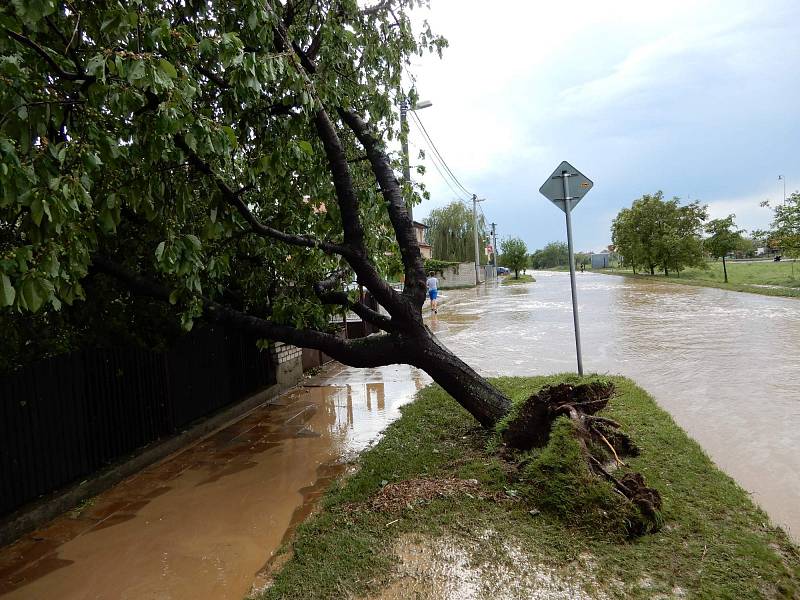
(725, 364)
(203, 522)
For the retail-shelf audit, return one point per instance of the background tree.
(657, 233)
(514, 255)
(784, 232)
(724, 238)
(451, 232)
(554, 254)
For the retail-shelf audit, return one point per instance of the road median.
(438, 507)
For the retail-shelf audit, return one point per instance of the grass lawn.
(714, 542)
(523, 278)
(742, 277)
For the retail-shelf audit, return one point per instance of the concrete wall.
(461, 275)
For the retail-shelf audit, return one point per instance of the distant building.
(600, 260)
(424, 247)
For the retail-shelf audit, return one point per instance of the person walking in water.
(433, 289)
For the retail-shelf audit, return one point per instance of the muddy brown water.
(204, 522)
(725, 364)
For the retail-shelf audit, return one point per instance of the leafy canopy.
(723, 237)
(785, 228)
(122, 125)
(657, 233)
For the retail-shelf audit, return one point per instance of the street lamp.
(404, 108)
(783, 179)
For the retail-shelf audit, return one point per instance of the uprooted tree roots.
(600, 443)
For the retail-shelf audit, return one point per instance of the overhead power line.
(437, 154)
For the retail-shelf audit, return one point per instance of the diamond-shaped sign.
(577, 184)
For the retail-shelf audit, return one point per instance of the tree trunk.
(480, 398)
(666, 271)
(725, 269)
(652, 269)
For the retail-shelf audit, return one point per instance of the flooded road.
(725, 364)
(202, 523)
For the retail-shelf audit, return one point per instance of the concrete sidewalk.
(204, 521)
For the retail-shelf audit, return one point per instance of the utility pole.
(494, 248)
(404, 146)
(475, 235)
(404, 108)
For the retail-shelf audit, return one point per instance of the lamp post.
(404, 108)
(783, 179)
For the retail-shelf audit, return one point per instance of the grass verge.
(510, 280)
(714, 544)
(742, 277)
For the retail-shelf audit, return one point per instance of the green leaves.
(35, 292)
(7, 291)
(167, 68)
(92, 166)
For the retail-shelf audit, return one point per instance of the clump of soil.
(394, 497)
(568, 453)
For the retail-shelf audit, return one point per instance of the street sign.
(577, 186)
(565, 188)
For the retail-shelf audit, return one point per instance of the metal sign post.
(557, 189)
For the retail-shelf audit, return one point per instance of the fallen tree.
(229, 158)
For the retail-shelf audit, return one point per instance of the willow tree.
(451, 232)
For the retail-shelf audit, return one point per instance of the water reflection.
(725, 364)
(203, 522)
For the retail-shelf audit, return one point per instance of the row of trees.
(655, 233)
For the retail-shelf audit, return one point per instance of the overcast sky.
(698, 99)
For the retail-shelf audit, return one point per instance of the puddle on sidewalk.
(203, 522)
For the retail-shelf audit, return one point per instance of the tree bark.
(481, 399)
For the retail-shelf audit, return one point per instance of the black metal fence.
(66, 417)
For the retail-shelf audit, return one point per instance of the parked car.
(502, 271)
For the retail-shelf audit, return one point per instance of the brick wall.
(285, 352)
(289, 363)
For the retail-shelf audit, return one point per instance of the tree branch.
(351, 220)
(49, 59)
(325, 291)
(398, 214)
(208, 73)
(234, 199)
(373, 10)
(374, 351)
